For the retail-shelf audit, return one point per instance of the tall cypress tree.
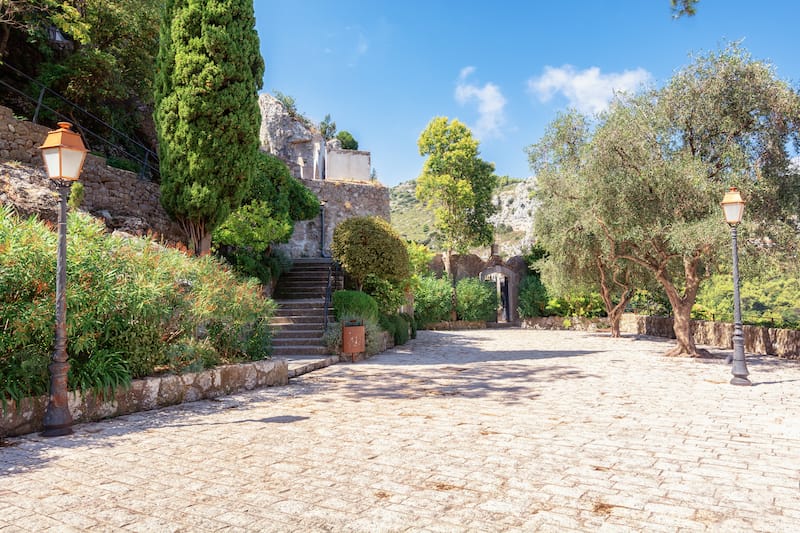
(208, 73)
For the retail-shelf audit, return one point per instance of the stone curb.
(313, 365)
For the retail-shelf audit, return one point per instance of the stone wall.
(770, 341)
(348, 165)
(343, 200)
(149, 393)
(118, 196)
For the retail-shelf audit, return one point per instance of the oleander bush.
(477, 300)
(432, 300)
(134, 308)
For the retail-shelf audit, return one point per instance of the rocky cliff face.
(287, 137)
(515, 217)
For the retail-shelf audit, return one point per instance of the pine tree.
(208, 73)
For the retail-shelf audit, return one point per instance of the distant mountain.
(513, 223)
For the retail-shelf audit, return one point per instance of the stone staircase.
(299, 322)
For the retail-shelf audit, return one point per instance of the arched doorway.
(507, 291)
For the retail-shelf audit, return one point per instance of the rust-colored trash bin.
(353, 338)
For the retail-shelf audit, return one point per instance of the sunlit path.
(456, 431)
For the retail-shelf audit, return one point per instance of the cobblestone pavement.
(487, 430)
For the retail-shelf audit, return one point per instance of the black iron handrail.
(333, 269)
(148, 163)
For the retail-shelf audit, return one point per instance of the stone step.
(300, 295)
(285, 351)
(312, 341)
(306, 333)
(294, 326)
(294, 320)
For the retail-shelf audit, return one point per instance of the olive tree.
(661, 161)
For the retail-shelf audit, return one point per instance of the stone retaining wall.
(771, 341)
(149, 393)
(118, 196)
(343, 200)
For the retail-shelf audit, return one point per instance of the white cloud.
(589, 91)
(490, 100)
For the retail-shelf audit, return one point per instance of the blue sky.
(383, 70)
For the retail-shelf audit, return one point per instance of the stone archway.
(507, 291)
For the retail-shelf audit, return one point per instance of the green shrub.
(397, 326)
(102, 373)
(477, 300)
(390, 296)
(773, 300)
(402, 330)
(532, 300)
(129, 302)
(370, 246)
(581, 305)
(433, 300)
(373, 334)
(649, 303)
(356, 304)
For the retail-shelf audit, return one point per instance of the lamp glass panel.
(733, 213)
(52, 162)
(71, 161)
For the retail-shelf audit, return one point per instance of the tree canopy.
(457, 183)
(348, 141)
(369, 246)
(659, 162)
(578, 258)
(209, 70)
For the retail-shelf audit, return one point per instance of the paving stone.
(483, 430)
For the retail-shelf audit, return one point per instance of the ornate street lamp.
(733, 207)
(63, 152)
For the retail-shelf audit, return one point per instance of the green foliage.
(586, 305)
(348, 141)
(533, 299)
(771, 301)
(457, 183)
(644, 188)
(372, 331)
(650, 303)
(110, 73)
(683, 7)
(207, 118)
(390, 296)
(130, 305)
(101, 372)
(76, 194)
(327, 128)
(275, 201)
(122, 163)
(420, 257)
(354, 304)
(432, 300)
(477, 300)
(369, 246)
(398, 326)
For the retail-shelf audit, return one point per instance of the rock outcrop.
(289, 137)
(515, 211)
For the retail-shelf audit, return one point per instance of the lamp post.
(733, 207)
(322, 227)
(63, 152)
